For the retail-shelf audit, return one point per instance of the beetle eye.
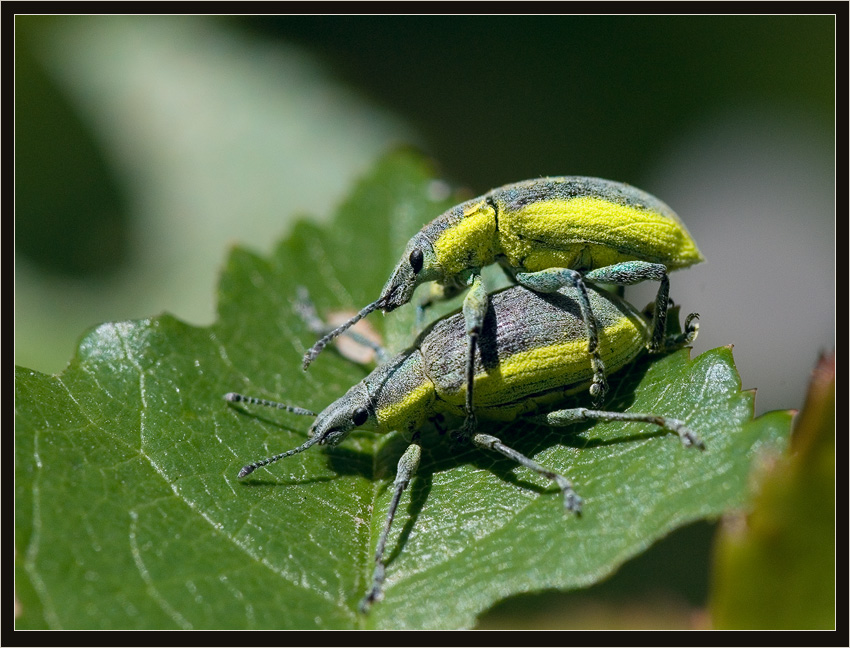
(359, 416)
(416, 260)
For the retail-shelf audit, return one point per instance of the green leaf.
(792, 523)
(129, 513)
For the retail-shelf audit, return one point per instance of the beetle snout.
(399, 289)
(337, 420)
(329, 432)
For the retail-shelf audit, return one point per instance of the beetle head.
(338, 419)
(418, 264)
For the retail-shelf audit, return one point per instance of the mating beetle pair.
(520, 350)
(545, 233)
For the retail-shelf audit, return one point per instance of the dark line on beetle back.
(495, 207)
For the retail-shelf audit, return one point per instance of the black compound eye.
(416, 260)
(359, 416)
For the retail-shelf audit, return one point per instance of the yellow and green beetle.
(533, 352)
(546, 233)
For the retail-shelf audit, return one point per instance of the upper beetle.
(546, 233)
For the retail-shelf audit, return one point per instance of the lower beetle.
(532, 352)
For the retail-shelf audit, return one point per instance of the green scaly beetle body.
(532, 350)
(569, 222)
(531, 353)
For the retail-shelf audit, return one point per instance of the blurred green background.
(147, 146)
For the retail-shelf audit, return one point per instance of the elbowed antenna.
(316, 349)
(233, 397)
(247, 470)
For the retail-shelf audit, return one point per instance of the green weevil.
(532, 353)
(545, 233)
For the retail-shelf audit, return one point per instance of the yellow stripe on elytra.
(471, 242)
(549, 233)
(554, 366)
(410, 409)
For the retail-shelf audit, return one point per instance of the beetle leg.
(407, 466)
(550, 280)
(688, 334)
(632, 272)
(572, 502)
(475, 306)
(565, 417)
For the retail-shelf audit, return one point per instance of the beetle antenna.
(233, 397)
(247, 470)
(316, 349)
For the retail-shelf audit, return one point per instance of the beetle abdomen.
(530, 343)
(585, 223)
